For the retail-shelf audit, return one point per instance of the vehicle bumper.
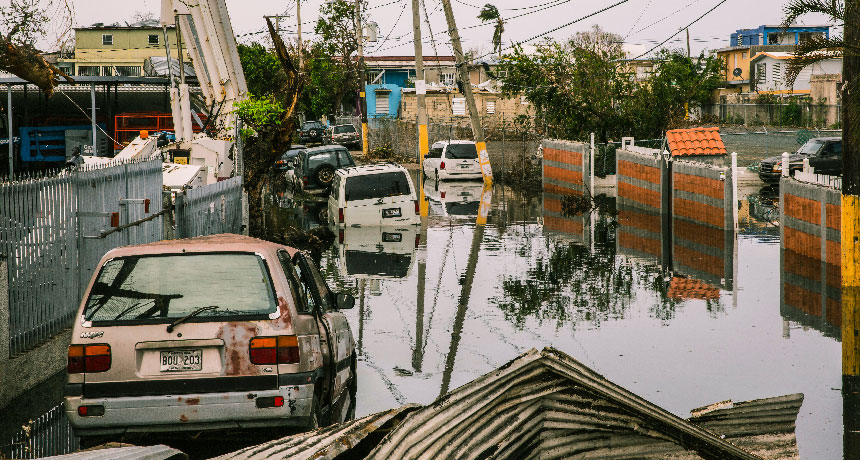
(191, 412)
(451, 175)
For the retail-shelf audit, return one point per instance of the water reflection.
(810, 294)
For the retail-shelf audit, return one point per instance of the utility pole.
(420, 90)
(299, 30)
(463, 74)
(851, 232)
(362, 76)
(688, 41)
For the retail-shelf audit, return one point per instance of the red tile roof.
(690, 288)
(695, 141)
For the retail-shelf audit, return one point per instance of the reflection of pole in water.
(418, 350)
(850, 367)
(361, 317)
(466, 291)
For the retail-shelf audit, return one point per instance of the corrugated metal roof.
(158, 452)
(325, 443)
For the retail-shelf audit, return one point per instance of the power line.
(668, 16)
(392, 28)
(682, 28)
(638, 19)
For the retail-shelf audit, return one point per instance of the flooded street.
(425, 324)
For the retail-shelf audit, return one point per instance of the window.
(491, 107)
(107, 70)
(298, 293)
(373, 186)
(458, 106)
(382, 103)
(344, 159)
(524, 100)
(88, 70)
(127, 70)
(501, 73)
(153, 39)
(761, 72)
(373, 75)
(462, 151)
(306, 292)
(162, 288)
(743, 55)
(340, 129)
(435, 153)
(107, 39)
(777, 73)
(447, 78)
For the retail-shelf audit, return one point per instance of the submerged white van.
(380, 194)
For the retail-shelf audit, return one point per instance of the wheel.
(315, 416)
(353, 390)
(324, 176)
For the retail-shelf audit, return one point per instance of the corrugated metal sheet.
(547, 405)
(329, 442)
(158, 452)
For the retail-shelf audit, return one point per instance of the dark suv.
(313, 132)
(346, 135)
(824, 155)
(316, 166)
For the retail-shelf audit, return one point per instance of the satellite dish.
(737, 72)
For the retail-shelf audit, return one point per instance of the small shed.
(697, 144)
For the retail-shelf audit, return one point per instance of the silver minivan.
(216, 332)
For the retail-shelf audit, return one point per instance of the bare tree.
(22, 22)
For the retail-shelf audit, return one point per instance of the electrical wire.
(392, 28)
(681, 29)
(668, 16)
(638, 19)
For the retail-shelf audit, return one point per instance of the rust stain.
(183, 418)
(192, 401)
(285, 321)
(237, 335)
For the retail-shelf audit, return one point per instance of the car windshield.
(318, 158)
(380, 185)
(462, 151)
(810, 147)
(161, 288)
(344, 129)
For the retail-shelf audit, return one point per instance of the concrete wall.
(565, 166)
(19, 374)
(439, 106)
(810, 256)
(639, 178)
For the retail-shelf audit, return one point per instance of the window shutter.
(458, 106)
(491, 107)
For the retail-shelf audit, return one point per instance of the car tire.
(324, 176)
(353, 389)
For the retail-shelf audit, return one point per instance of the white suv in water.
(452, 160)
(380, 194)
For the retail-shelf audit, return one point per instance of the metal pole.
(362, 77)
(178, 52)
(420, 90)
(463, 73)
(299, 30)
(591, 168)
(93, 118)
(11, 132)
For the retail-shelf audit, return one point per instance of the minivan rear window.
(462, 151)
(372, 186)
(161, 288)
(344, 129)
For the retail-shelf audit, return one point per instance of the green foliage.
(328, 84)
(259, 113)
(333, 70)
(263, 72)
(490, 13)
(584, 86)
(791, 114)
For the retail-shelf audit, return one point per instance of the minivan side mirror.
(344, 300)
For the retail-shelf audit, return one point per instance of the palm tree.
(490, 13)
(817, 48)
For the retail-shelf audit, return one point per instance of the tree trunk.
(26, 63)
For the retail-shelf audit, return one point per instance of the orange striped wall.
(699, 185)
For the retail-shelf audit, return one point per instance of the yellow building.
(736, 67)
(115, 50)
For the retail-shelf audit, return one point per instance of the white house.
(769, 71)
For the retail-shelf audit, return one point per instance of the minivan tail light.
(442, 165)
(89, 358)
(416, 207)
(274, 350)
(340, 218)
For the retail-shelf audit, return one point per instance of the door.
(335, 335)
(829, 160)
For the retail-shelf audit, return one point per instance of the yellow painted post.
(851, 324)
(484, 160)
(423, 149)
(364, 144)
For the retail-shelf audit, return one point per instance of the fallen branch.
(27, 63)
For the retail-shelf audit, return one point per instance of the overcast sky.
(643, 23)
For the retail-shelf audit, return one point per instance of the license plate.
(465, 166)
(392, 237)
(181, 360)
(393, 212)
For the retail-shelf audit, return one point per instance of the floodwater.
(434, 313)
(441, 303)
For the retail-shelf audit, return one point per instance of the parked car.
(208, 333)
(287, 160)
(346, 135)
(824, 155)
(377, 252)
(452, 160)
(380, 194)
(316, 166)
(454, 198)
(313, 132)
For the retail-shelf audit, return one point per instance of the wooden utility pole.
(688, 42)
(420, 89)
(299, 30)
(362, 76)
(466, 84)
(851, 231)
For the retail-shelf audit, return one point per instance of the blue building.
(777, 35)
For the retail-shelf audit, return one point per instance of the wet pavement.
(440, 304)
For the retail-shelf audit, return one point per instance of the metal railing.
(52, 230)
(49, 434)
(209, 210)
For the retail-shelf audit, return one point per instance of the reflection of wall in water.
(810, 292)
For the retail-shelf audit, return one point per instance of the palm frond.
(797, 8)
(489, 13)
(810, 52)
